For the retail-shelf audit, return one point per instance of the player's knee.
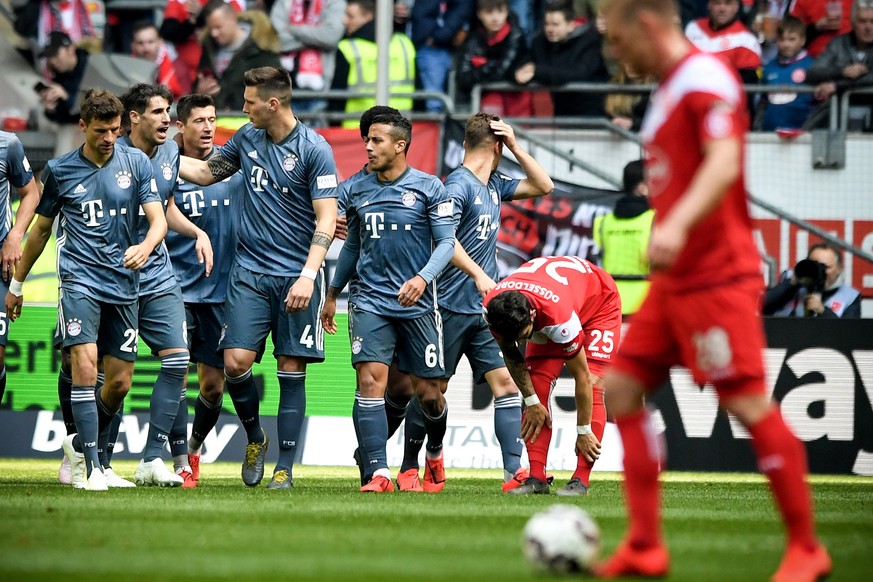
(236, 364)
(502, 385)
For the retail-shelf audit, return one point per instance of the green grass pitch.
(719, 527)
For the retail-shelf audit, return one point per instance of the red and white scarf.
(306, 62)
(69, 16)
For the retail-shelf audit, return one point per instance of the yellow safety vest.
(362, 56)
(624, 243)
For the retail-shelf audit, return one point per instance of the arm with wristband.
(36, 241)
(300, 293)
(587, 443)
(536, 415)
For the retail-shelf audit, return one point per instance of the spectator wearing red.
(824, 19)
(723, 33)
(147, 44)
(182, 20)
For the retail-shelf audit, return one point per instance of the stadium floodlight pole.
(384, 31)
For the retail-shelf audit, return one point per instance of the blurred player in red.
(569, 312)
(703, 307)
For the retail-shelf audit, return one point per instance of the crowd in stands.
(450, 46)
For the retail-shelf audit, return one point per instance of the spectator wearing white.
(309, 33)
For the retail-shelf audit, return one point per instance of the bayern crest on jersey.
(408, 198)
(123, 180)
(494, 197)
(289, 162)
(167, 172)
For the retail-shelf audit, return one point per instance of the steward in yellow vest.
(623, 238)
(356, 60)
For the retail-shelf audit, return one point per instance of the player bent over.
(97, 190)
(569, 312)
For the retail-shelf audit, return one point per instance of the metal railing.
(836, 121)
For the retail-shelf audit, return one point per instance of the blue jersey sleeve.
(19, 172)
(442, 226)
(230, 149)
(50, 203)
(458, 195)
(348, 258)
(342, 197)
(322, 172)
(506, 186)
(148, 188)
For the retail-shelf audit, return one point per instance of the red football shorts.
(600, 337)
(716, 333)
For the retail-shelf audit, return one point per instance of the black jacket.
(482, 62)
(232, 81)
(577, 59)
(70, 81)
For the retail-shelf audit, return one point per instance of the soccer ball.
(561, 539)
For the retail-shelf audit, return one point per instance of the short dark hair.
(633, 175)
(140, 25)
(791, 24)
(478, 130)
(101, 105)
(491, 4)
(368, 115)
(401, 128)
(562, 6)
(824, 245)
(190, 102)
(270, 82)
(214, 6)
(508, 313)
(137, 97)
(367, 6)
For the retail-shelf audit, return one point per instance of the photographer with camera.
(814, 288)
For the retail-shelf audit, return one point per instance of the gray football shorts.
(162, 323)
(255, 308)
(468, 335)
(205, 324)
(85, 320)
(416, 344)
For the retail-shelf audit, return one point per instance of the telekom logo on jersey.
(195, 200)
(91, 211)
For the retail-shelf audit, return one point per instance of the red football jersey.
(569, 294)
(700, 100)
(735, 43)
